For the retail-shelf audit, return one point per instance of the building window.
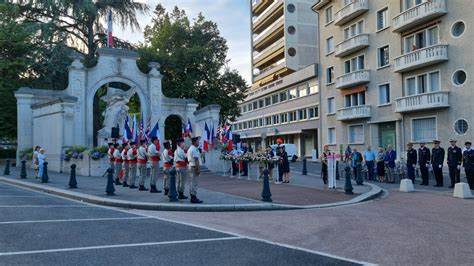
(329, 15)
(291, 8)
(384, 94)
(424, 129)
(412, 3)
(292, 94)
(249, 124)
(255, 105)
(421, 39)
(292, 116)
(268, 120)
(329, 75)
(330, 45)
(260, 103)
(244, 125)
(302, 90)
(313, 88)
(459, 77)
(356, 134)
(354, 30)
(268, 101)
(284, 118)
(303, 114)
(244, 109)
(354, 64)
(354, 99)
(250, 107)
(260, 122)
(275, 119)
(461, 126)
(331, 135)
(313, 112)
(274, 98)
(283, 96)
(458, 28)
(383, 56)
(331, 106)
(424, 83)
(255, 123)
(382, 19)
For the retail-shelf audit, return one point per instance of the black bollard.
(266, 194)
(348, 186)
(7, 168)
(45, 178)
(23, 170)
(72, 179)
(360, 179)
(110, 189)
(305, 170)
(172, 194)
(338, 176)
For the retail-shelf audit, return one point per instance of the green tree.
(194, 61)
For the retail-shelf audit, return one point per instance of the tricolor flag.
(155, 132)
(229, 136)
(189, 128)
(142, 128)
(207, 134)
(148, 131)
(125, 131)
(134, 129)
(110, 37)
(183, 132)
(213, 139)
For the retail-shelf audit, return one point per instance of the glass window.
(410, 44)
(292, 116)
(255, 105)
(302, 90)
(268, 120)
(260, 122)
(313, 112)
(283, 96)
(354, 99)
(331, 135)
(331, 105)
(384, 94)
(384, 56)
(255, 123)
(382, 18)
(284, 117)
(275, 98)
(328, 14)
(329, 75)
(356, 134)
(250, 107)
(244, 125)
(422, 86)
(244, 108)
(411, 86)
(268, 101)
(424, 129)
(292, 94)
(432, 36)
(260, 103)
(250, 124)
(303, 114)
(329, 45)
(275, 119)
(313, 88)
(434, 82)
(461, 126)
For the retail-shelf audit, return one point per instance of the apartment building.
(395, 71)
(284, 99)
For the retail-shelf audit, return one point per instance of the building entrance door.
(387, 135)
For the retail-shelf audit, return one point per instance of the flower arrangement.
(97, 153)
(247, 157)
(75, 152)
(26, 154)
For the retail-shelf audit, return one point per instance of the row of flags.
(137, 133)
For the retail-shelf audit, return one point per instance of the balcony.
(432, 100)
(354, 112)
(352, 79)
(269, 70)
(352, 45)
(320, 3)
(350, 11)
(269, 53)
(420, 58)
(268, 16)
(419, 14)
(258, 6)
(265, 36)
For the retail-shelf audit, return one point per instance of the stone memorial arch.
(58, 120)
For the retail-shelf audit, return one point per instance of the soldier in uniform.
(194, 159)
(411, 162)
(454, 163)
(424, 157)
(181, 167)
(125, 165)
(468, 163)
(437, 161)
(132, 162)
(153, 152)
(141, 164)
(167, 165)
(111, 154)
(118, 164)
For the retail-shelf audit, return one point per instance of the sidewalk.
(218, 192)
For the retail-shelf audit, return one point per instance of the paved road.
(39, 229)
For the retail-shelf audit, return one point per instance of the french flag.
(134, 129)
(206, 137)
(189, 128)
(229, 136)
(126, 134)
(110, 36)
(155, 132)
(213, 139)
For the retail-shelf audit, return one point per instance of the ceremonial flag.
(148, 131)
(189, 128)
(110, 37)
(213, 139)
(206, 137)
(229, 134)
(183, 132)
(142, 128)
(125, 131)
(155, 132)
(218, 133)
(134, 129)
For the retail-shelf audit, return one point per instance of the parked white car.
(290, 149)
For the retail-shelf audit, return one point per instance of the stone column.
(155, 93)
(77, 88)
(24, 122)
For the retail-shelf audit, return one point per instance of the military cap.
(452, 140)
(132, 143)
(110, 143)
(436, 141)
(142, 141)
(467, 143)
(195, 139)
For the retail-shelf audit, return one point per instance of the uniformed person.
(167, 165)
(132, 162)
(424, 158)
(411, 162)
(454, 162)
(181, 167)
(141, 164)
(468, 163)
(111, 154)
(437, 161)
(154, 154)
(118, 163)
(194, 159)
(125, 165)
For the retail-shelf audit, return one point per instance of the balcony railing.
(422, 57)
(269, 70)
(269, 50)
(269, 10)
(352, 79)
(351, 45)
(277, 24)
(419, 14)
(320, 3)
(350, 11)
(354, 112)
(431, 100)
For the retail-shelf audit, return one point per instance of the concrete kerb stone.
(373, 193)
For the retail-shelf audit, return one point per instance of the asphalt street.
(40, 229)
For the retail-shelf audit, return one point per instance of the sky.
(232, 18)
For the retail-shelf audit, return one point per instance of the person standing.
(110, 152)
(356, 163)
(154, 155)
(181, 167)
(125, 164)
(234, 162)
(381, 165)
(245, 164)
(167, 166)
(454, 162)
(194, 159)
(411, 162)
(424, 158)
(369, 157)
(280, 163)
(118, 163)
(270, 165)
(41, 160)
(286, 165)
(324, 165)
(141, 164)
(390, 157)
(437, 161)
(132, 165)
(36, 153)
(468, 163)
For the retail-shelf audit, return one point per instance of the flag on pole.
(125, 131)
(155, 132)
(148, 131)
(189, 128)
(218, 133)
(206, 137)
(229, 134)
(142, 128)
(134, 129)
(110, 37)
(213, 139)
(183, 132)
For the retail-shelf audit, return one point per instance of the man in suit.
(468, 163)
(357, 165)
(411, 162)
(437, 160)
(454, 162)
(424, 157)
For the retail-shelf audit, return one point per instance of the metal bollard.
(305, 170)
(172, 195)
(348, 186)
(7, 168)
(72, 179)
(338, 176)
(23, 170)
(45, 178)
(266, 194)
(360, 179)
(110, 189)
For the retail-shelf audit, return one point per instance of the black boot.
(194, 199)
(143, 188)
(182, 196)
(154, 190)
(133, 186)
(117, 182)
(125, 184)
(167, 191)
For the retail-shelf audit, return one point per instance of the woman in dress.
(380, 165)
(35, 160)
(324, 163)
(286, 166)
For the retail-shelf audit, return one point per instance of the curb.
(375, 192)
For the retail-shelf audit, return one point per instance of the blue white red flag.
(110, 36)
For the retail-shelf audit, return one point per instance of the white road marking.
(23, 196)
(118, 246)
(76, 220)
(46, 206)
